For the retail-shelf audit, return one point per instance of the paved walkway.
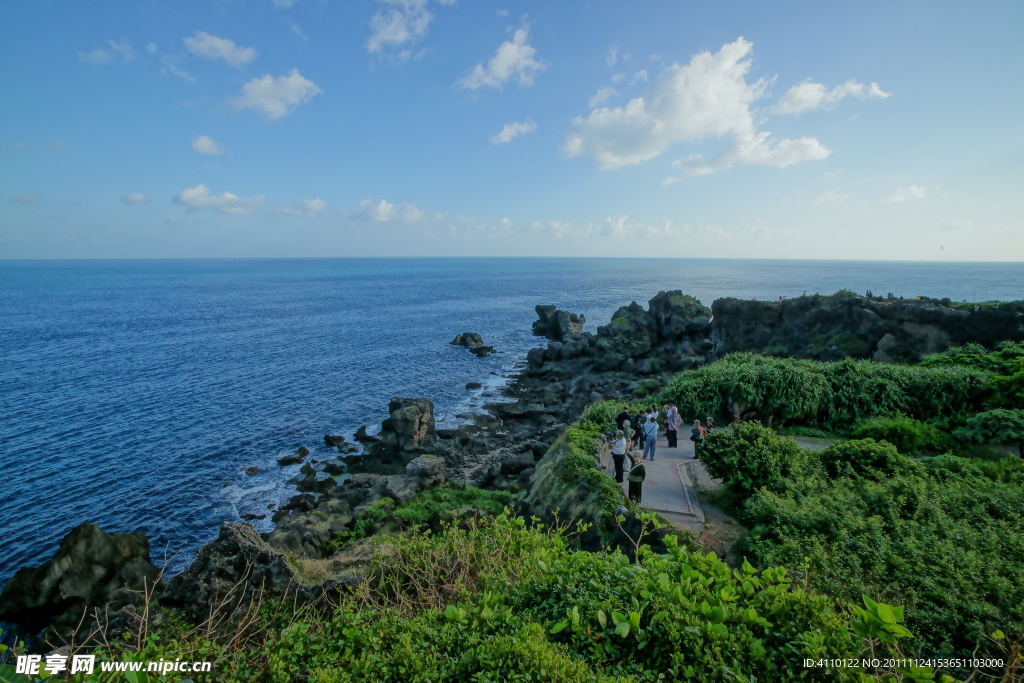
(668, 488)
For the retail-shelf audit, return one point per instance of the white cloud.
(618, 77)
(298, 32)
(613, 56)
(307, 208)
(171, 67)
(831, 197)
(100, 56)
(124, 49)
(199, 197)
(908, 193)
(640, 76)
(512, 59)
(602, 96)
(406, 21)
(96, 56)
(276, 97)
(27, 198)
(510, 130)
(810, 95)
(212, 47)
(135, 198)
(709, 96)
(385, 212)
(151, 48)
(204, 144)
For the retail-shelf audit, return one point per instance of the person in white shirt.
(619, 454)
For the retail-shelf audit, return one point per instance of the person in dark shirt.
(636, 482)
(621, 417)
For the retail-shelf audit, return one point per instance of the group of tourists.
(638, 434)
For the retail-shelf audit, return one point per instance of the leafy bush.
(865, 458)
(748, 456)
(906, 434)
(950, 544)
(832, 396)
(995, 426)
(1004, 366)
(646, 387)
(509, 602)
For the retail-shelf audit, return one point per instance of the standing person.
(619, 447)
(650, 431)
(622, 417)
(636, 482)
(696, 436)
(709, 424)
(672, 424)
(638, 423)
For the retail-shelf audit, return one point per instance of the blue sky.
(462, 128)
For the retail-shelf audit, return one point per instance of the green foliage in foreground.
(508, 602)
(832, 396)
(943, 536)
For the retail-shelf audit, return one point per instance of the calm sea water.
(131, 392)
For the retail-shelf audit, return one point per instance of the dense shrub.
(950, 544)
(834, 395)
(906, 434)
(865, 458)
(748, 456)
(510, 602)
(1004, 367)
(995, 426)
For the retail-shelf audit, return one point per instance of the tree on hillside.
(995, 426)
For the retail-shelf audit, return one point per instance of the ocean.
(133, 393)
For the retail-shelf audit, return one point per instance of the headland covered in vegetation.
(500, 551)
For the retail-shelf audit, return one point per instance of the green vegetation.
(943, 536)
(1004, 368)
(995, 426)
(831, 396)
(507, 601)
(909, 436)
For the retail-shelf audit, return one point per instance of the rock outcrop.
(846, 325)
(474, 342)
(556, 325)
(408, 433)
(91, 568)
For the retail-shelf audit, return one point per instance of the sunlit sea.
(132, 393)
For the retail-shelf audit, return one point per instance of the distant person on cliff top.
(619, 447)
(636, 482)
(622, 417)
(650, 431)
(672, 424)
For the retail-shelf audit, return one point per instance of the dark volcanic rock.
(473, 385)
(468, 339)
(481, 351)
(557, 325)
(91, 568)
(847, 325)
(408, 433)
(294, 458)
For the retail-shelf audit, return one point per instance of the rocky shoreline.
(630, 357)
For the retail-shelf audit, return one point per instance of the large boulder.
(408, 433)
(308, 533)
(678, 316)
(557, 325)
(630, 334)
(91, 568)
